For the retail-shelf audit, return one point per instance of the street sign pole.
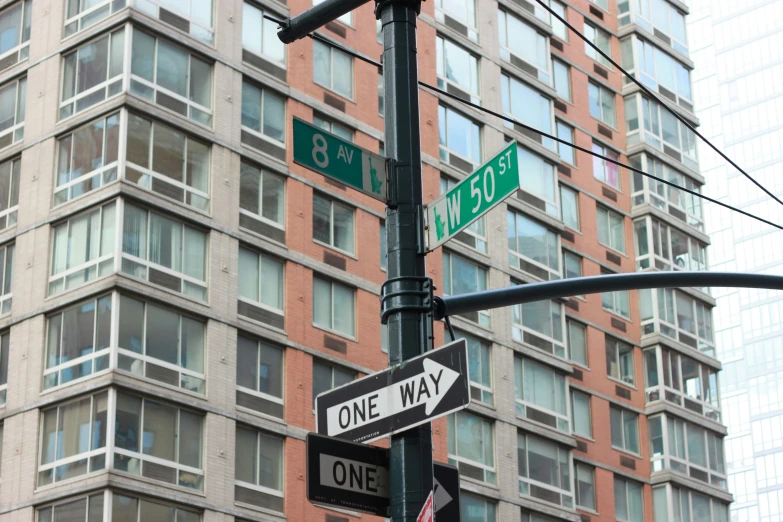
(409, 322)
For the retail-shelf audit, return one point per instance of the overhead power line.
(544, 134)
(659, 100)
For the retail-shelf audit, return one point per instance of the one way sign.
(396, 399)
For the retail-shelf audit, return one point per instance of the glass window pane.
(160, 428)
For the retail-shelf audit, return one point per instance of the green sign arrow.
(339, 159)
(473, 197)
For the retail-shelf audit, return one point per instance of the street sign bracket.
(406, 294)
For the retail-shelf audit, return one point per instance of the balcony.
(677, 315)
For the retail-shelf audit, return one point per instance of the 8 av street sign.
(472, 197)
(398, 398)
(356, 477)
(339, 159)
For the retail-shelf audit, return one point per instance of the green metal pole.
(409, 325)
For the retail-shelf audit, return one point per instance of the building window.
(13, 101)
(73, 439)
(603, 4)
(671, 248)
(333, 69)
(88, 157)
(584, 481)
(687, 449)
(168, 162)
(192, 16)
(171, 77)
(658, 70)
(347, 18)
(384, 246)
(562, 80)
(658, 17)
(259, 468)
(539, 182)
(628, 503)
(569, 207)
(581, 411)
(539, 324)
(261, 291)
(458, 135)
(601, 102)
(544, 470)
(619, 360)
(600, 39)
(92, 73)
(476, 509)
(76, 509)
(625, 429)
(480, 366)
(475, 235)
(6, 278)
(616, 302)
(326, 377)
(332, 126)
(678, 316)
(462, 11)
(140, 509)
(164, 252)
(566, 133)
(524, 42)
(472, 447)
(15, 24)
(611, 229)
(263, 115)
(457, 67)
(558, 27)
(159, 343)
(80, 14)
(681, 380)
(261, 202)
(78, 342)
(577, 343)
(333, 224)
(692, 506)
(170, 450)
(572, 264)
(10, 172)
(660, 129)
(528, 106)
(5, 346)
(385, 338)
(606, 171)
(259, 35)
(538, 387)
(381, 94)
(83, 248)
(259, 376)
(533, 248)
(667, 198)
(460, 276)
(334, 306)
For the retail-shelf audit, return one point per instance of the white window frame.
(570, 222)
(155, 87)
(445, 150)
(653, 305)
(147, 264)
(674, 498)
(481, 273)
(332, 50)
(519, 329)
(640, 12)
(262, 256)
(626, 484)
(107, 505)
(264, 92)
(558, 27)
(585, 469)
(100, 262)
(617, 302)
(604, 95)
(468, 18)
(575, 393)
(15, 133)
(88, 17)
(7, 252)
(266, 25)
(8, 217)
(23, 40)
(561, 128)
(331, 327)
(602, 211)
(576, 324)
(516, 258)
(111, 86)
(601, 166)
(483, 390)
(262, 172)
(332, 368)
(332, 203)
(442, 45)
(202, 33)
(658, 234)
(525, 483)
(543, 74)
(490, 472)
(517, 109)
(625, 443)
(665, 197)
(644, 67)
(255, 392)
(617, 346)
(559, 383)
(256, 487)
(593, 32)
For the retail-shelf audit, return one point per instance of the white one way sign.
(398, 398)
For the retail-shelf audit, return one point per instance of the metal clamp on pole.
(406, 294)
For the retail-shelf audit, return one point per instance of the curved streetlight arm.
(459, 304)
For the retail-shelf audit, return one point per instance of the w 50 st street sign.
(398, 398)
(472, 197)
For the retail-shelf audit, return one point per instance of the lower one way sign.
(354, 476)
(398, 398)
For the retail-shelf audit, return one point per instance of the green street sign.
(339, 159)
(473, 197)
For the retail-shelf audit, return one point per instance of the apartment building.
(175, 291)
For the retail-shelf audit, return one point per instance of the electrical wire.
(659, 100)
(546, 135)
